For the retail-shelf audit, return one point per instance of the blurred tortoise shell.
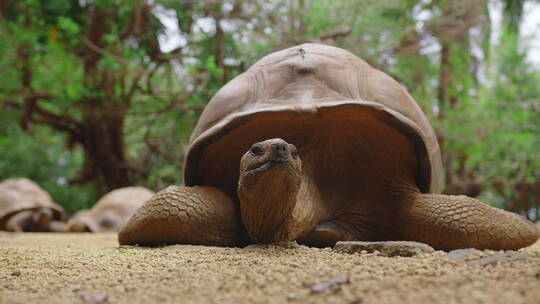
(19, 194)
(111, 211)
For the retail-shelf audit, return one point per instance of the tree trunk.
(219, 36)
(452, 32)
(445, 72)
(105, 162)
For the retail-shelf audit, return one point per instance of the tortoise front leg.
(451, 222)
(43, 221)
(185, 215)
(20, 221)
(58, 226)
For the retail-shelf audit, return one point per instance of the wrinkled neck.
(267, 201)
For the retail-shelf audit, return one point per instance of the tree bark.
(105, 162)
(445, 75)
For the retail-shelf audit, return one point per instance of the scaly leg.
(20, 221)
(451, 222)
(185, 215)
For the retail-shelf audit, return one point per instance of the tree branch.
(103, 52)
(59, 122)
(134, 85)
(337, 33)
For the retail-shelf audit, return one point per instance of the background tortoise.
(111, 211)
(24, 206)
(364, 162)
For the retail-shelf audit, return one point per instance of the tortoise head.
(271, 156)
(41, 219)
(79, 222)
(108, 223)
(270, 177)
(77, 226)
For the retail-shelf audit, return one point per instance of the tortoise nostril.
(279, 150)
(279, 147)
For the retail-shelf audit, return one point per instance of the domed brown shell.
(295, 94)
(112, 210)
(20, 194)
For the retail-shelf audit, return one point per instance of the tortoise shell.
(20, 194)
(112, 210)
(308, 95)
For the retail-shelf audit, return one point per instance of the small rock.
(460, 255)
(256, 246)
(294, 265)
(130, 247)
(94, 298)
(184, 247)
(389, 248)
(501, 257)
(286, 245)
(16, 273)
(293, 295)
(120, 288)
(320, 287)
(481, 258)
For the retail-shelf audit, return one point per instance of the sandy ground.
(65, 268)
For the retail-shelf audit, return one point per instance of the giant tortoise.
(313, 144)
(111, 211)
(24, 206)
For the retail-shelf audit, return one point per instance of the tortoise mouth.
(270, 165)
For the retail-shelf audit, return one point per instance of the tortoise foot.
(451, 222)
(184, 215)
(20, 221)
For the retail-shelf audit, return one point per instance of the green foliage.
(498, 129)
(42, 158)
(507, 118)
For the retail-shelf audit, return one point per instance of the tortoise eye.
(256, 150)
(294, 151)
